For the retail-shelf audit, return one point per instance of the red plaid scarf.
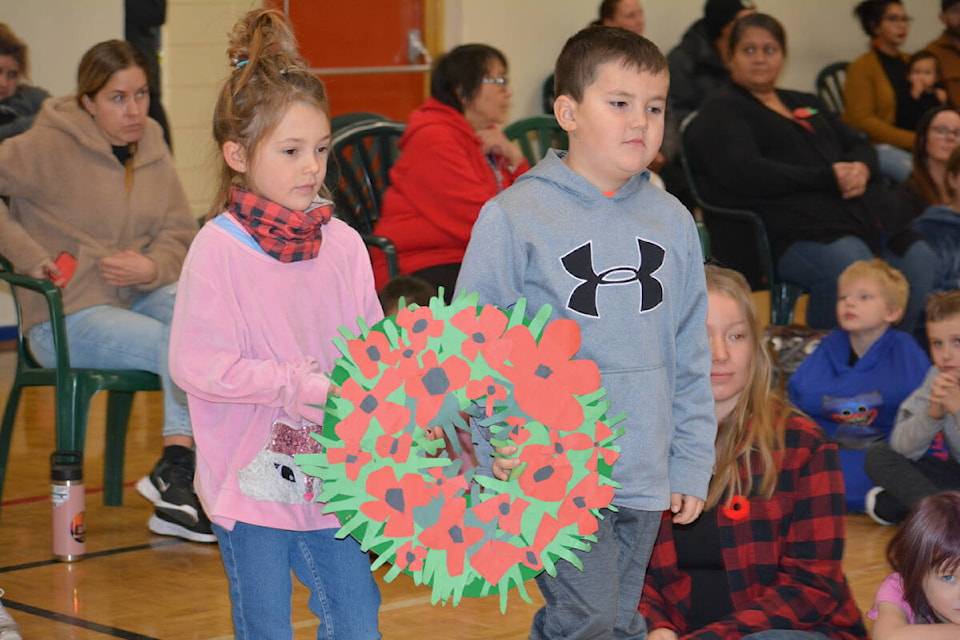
(285, 234)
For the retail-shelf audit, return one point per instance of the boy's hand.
(503, 466)
(944, 395)
(685, 508)
(662, 634)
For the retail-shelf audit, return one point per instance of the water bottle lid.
(66, 465)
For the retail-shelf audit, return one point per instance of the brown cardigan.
(870, 104)
(67, 193)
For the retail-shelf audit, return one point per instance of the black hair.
(458, 74)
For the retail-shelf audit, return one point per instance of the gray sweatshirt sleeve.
(914, 429)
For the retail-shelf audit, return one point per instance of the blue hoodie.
(940, 227)
(629, 270)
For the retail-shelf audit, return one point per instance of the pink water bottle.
(69, 506)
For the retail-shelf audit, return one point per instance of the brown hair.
(757, 424)
(952, 170)
(412, 289)
(267, 76)
(760, 21)
(97, 66)
(920, 179)
(11, 45)
(943, 305)
(892, 283)
(928, 540)
(589, 48)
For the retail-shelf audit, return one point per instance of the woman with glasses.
(879, 97)
(938, 134)
(811, 178)
(453, 158)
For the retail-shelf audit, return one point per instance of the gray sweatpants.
(601, 601)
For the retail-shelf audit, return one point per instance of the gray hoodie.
(915, 429)
(629, 270)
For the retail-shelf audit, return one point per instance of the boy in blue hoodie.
(587, 233)
(856, 379)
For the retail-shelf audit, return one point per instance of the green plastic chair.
(829, 85)
(358, 174)
(74, 389)
(536, 135)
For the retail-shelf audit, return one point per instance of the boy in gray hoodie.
(587, 233)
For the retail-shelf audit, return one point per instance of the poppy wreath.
(401, 495)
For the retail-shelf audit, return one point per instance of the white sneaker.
(870, 506)
(9, 629)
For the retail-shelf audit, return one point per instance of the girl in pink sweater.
(264, 289)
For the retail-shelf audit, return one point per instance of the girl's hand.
(503, 466)
(128, 268)
(48, 270)
(685, 508)
(662, 634)
(495, 142)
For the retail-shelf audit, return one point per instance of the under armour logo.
(579, 264)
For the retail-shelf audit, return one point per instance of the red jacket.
(437, 188)
(782, 559)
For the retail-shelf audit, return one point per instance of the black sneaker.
(882, 507)
(162, 524)
(170, 488)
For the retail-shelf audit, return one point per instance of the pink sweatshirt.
(251, 344)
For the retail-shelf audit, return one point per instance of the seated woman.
(764, 556)
(940, 227)
(19, 102)
(878, 95)
(938, 134)
(811, 178)
(96, 181)
(453, 158)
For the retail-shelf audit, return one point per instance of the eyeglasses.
(945, 132)
(503, 82)
(903, 19)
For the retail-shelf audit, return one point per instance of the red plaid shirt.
(783, 560)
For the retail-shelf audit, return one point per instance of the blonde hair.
(267, 76)
(892, 283)
(757, 423)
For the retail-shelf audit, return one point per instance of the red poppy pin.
(805, 112)
(738, 508)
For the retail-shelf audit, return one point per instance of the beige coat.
(66, 190)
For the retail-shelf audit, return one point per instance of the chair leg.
(118, 413)
(783, 301)
(6, 432)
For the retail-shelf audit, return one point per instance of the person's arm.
(892, 624)
(206, 338)
(19, 179)
(25, 104)
(914, 427)
(692, 447)
(860, 104)
(725, 143)
(809, 582)
(453, 182)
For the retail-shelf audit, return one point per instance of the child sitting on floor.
(856, 379)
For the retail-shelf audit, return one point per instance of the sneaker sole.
(146, 489)
(164, 528)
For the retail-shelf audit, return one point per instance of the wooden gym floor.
(137, 586)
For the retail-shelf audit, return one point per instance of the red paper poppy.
(546, 475)
(495, 558)
(545, 379)
(431, 383)
(395, 501)
(452, 535)
(352, 457)
(805, 112)
(517, 432)
(506, 509)
(546, 533)
(604, 434)
(372, 352)
(370, 405)
(489, 389)
(444, 486)
(484, 333)
(737, 509)
(588, 494)
(410, 557)
(420, 325)
(397, 449)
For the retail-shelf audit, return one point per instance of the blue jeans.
(601, 600)
(108, 337)
(258, 561)
(895, 163)
(817, 265)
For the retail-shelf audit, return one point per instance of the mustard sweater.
(67, 193)
(870, 104)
